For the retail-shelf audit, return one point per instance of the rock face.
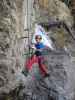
(53, 9)
(10, 21)
(17, 21)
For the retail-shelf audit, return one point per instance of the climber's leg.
(42, 66)
(30, 62)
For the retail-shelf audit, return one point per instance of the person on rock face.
(37, 57)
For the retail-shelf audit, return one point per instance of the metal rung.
(26, 29)
(23, 37)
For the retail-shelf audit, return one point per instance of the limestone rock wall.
(16, 20)
(52, 9)
(10, 26)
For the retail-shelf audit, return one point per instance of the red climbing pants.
(39, 60)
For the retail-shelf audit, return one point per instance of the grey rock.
(60, 85)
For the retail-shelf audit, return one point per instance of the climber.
(37, 57)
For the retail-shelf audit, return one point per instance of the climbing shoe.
(25, 72)
(46, 75)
